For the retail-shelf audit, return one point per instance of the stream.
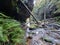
(45, 36)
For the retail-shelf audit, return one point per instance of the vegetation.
(49, 7)
(11, 32)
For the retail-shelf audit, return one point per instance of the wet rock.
(45, 37)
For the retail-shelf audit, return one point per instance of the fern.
(10, 31)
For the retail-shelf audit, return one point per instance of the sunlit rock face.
(8, 9)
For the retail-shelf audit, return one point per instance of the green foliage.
(10, 31)
(57, 19)
(58, 6)
(47, 7)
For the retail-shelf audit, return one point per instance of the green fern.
(10, 31)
